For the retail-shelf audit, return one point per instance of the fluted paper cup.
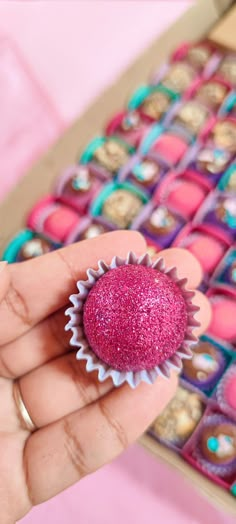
(93, 362)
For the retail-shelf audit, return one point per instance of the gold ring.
(25, 418)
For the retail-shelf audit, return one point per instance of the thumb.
(4, 279)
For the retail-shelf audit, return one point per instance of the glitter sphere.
(135, 317)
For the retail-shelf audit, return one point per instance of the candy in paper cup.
(215, 448)
(132, 320)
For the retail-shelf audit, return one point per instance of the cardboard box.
(194, 25)
(223, 32)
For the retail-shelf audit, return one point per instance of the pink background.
(74, 50)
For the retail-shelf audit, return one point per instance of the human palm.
(80, 423)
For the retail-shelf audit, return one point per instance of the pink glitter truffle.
(135, 317)
(132, 320)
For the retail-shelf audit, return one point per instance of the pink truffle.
(135, 317)
(185, 197)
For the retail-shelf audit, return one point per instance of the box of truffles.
(163, 161)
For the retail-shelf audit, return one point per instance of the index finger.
(41, 286)
(62, 453)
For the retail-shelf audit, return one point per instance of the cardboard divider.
(224, 31)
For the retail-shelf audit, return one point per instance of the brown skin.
(65, 402)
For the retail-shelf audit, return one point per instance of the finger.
(204, 314)
(59, 455)
(64, 385)
(4, 279)
(41, 286)
(46, 341)
(189, 267)
(186, 263)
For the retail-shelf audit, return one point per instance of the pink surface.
(28, 122)
(136, 488)
(77, 48)
(186, 196)
(74, 50)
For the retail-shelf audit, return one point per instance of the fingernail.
(3, 265)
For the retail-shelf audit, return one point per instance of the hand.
(81, 423)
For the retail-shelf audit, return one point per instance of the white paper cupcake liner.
(78, 339)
